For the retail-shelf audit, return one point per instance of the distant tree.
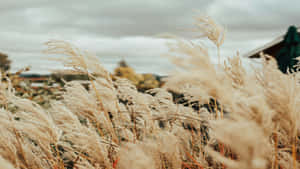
(123, 63)
(4, 62)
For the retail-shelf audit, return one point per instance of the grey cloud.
(260, 15)
(111, 18)
(123, 28)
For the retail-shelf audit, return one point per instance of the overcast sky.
(116, 29)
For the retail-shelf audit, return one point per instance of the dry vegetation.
(243, 121)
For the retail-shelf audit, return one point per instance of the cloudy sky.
(116, 29)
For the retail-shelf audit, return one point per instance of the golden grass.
(250, 120)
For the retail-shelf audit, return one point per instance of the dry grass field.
(242, 121)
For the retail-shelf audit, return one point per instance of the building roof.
(270, 48)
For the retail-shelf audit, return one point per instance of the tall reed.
(110, 124)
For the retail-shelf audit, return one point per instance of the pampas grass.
(212, 30)
(227, 118)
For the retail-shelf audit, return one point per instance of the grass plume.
(110, 124)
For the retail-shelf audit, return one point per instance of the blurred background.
(129, 29)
